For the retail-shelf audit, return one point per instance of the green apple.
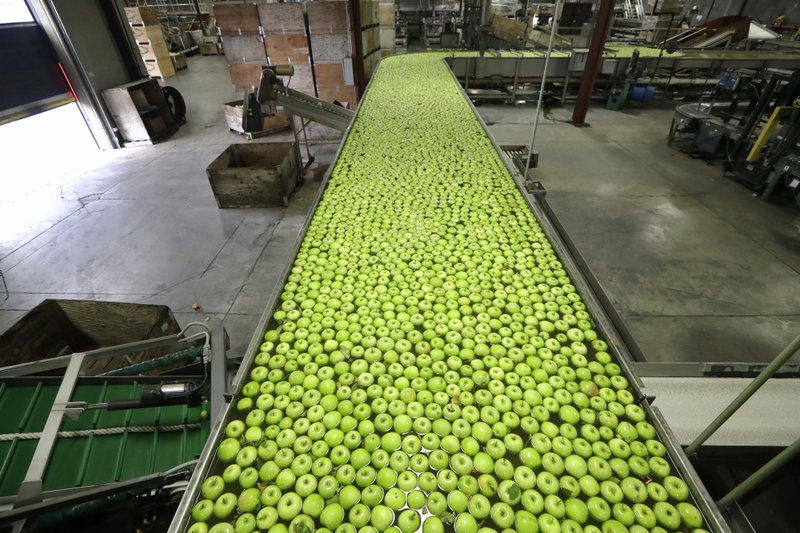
(598, 509)
(203, 510)
(332, 516)
(249, 500)
(225, 505)
(312, 505)
(502, 514)
(381, 517)
(245, 523)
(213, 487)
(525, 522)
(676, 488)
(433, 524)
(690, 515)
(644, 515)
(465, 523)
(576, 510)
(667, 515)
(408, 521)
(289, 506)
(359, 515)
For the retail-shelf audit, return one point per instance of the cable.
(102, 431)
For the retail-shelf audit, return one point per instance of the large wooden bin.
(255, 175)
(60, 327)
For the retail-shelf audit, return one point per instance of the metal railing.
(760, 475)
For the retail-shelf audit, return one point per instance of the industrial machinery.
(272, 92)
(83, 451)
(752, 122)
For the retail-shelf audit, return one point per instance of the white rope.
(101, 431)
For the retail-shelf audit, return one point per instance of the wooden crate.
(282, 18)
(255, 175)
(154, 51)
(387, 38)
(329, 74)
(386, 14)
(142, 16)
(245, 75)
(160, 68)
(244, 48)
(237, 19)
(342, 94)
(327, 17)
(61, 327)
(287, 48)
(208, 49)
(329, 48)
(179, 60)
(148, 34)
(272, 123)
(303, 79)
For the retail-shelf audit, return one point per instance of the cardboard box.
(148, 34)
(144, 16)
(157, 50)
(161, 68)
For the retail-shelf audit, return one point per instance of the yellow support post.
(766, 133)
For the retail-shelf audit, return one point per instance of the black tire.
(176, 103)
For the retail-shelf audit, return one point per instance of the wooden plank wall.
(242, 43)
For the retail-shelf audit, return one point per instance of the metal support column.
(593, 61)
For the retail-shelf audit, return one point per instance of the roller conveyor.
(320, 111)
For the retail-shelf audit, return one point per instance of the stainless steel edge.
(703, 499)
(679, 459)
(183, 512)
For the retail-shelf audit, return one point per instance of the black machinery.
(751, 122)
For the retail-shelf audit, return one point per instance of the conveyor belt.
(690, 404)
(320, 111)
(442, 169)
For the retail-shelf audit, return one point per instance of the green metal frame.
(50, 442)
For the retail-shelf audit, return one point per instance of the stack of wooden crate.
(330, 31)
(287, 42)
(150, 40)
(386, 19)
(240, 32)
(370, 37)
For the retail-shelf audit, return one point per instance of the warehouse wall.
(764, 11)
(88, 31)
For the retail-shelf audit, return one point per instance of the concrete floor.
(699, 269)
(141, 225)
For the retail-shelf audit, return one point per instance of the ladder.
(633, 10)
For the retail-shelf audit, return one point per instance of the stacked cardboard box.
(150, 41)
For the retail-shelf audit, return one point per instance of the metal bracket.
(71, 410)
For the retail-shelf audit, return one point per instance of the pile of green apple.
(431, 367)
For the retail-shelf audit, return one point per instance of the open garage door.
(33, 80)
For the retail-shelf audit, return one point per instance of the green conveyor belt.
(96, 459)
